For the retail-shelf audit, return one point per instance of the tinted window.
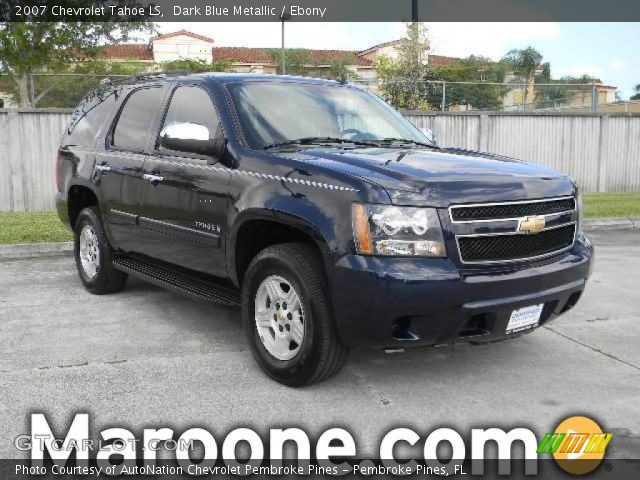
(136, 116)
(271, 112)
(192, 104)
(89, 118)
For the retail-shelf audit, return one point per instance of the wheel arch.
(256, 229)
(80, 196)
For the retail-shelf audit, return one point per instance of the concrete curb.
(26, 250)
(614, 223)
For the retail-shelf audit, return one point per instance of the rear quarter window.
(130, 132)
(89, 118)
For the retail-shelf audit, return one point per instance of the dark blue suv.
(329, 218)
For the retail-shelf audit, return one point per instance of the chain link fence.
(49, 90)
(438, 95)
(45, 90)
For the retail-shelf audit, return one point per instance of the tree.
(554, 95)
(195, 65)
(66, 89)
(636, 96)
(480, 95)
(402, 77)
(298, 61)
(31, 47)
(524, 63)
(302, 63)
(551, 93)
(339, 69)
(557, 93)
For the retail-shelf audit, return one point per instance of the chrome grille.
(495, 211)
(493, 248)
(501, 232)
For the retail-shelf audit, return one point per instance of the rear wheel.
(94, 255)
(287, 316)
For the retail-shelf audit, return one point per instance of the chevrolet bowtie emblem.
(531, 225)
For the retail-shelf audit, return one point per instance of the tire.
(320, 354)
(94, 255)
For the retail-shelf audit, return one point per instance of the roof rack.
(145, 76)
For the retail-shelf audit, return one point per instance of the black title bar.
(320, 10)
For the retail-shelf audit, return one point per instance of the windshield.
(273, 113)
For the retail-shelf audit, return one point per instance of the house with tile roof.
(183, 44)
(188, 45)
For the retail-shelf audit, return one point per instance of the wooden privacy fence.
(29, 140)
(601, 151)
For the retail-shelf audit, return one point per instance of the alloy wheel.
(279, 317)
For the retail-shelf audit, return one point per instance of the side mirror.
(430, 135)
(190, 137)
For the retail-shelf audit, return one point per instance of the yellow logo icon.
(578, 445)
(532, 225)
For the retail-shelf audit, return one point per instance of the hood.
(444, 176)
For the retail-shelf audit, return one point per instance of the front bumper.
(402, 302)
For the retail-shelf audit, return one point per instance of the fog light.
(424, 248)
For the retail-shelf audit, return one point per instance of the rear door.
(119, 165)
(184, 201)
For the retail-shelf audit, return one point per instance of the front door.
(184, 202)
(119, 166)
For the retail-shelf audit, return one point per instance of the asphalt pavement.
(146, 357)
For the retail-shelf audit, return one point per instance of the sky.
(609, 51)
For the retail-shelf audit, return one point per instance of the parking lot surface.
(146, 357)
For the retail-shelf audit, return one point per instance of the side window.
(136, 116)
(89, 118)
(191, 104)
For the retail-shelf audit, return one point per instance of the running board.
(173, 279)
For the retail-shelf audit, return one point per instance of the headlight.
(397, 231)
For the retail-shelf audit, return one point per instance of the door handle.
(103, 168)
(154, 179)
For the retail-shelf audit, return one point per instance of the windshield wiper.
(388, 141)
(318, 141)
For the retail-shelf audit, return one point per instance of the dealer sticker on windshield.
(524, 318)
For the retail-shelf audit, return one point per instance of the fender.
(275, 216)
(65, 202)
(82, 182)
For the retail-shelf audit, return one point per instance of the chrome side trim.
(123, 214)
(152, 178)
(127, 156)
(519, 202)
(267, 176)
(128, 218)
(513, 260)
(179, 227)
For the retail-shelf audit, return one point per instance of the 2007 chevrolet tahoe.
(328, 217)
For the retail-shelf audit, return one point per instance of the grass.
(32, 227)
(597, 205)
(42, 227)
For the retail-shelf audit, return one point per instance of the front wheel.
(287, 316)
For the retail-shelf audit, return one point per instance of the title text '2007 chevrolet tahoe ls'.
(328, 217)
